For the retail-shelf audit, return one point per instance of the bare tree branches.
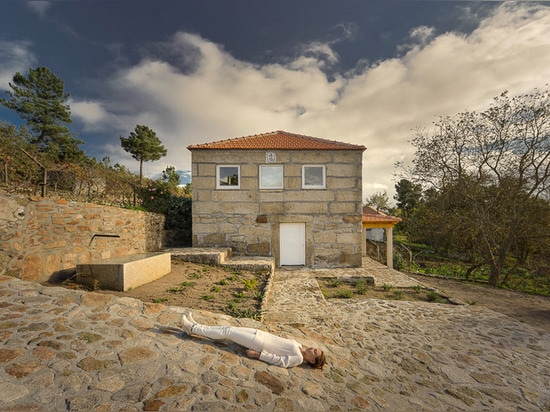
(491, 174)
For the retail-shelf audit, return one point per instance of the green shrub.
(344, 294)
(361, 287)
(398, 261)
(249, 284)
(398, 294)
(258, 295)
(159, 196)
(433, 296)
(244, 313)
(334, 283)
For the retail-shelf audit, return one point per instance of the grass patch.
(433, 296)
(250, 284)
(360, 289)
(397, 294)
(334, 283)
(344, 294)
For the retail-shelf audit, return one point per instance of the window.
(313, 177)
(228, 177)
(271, 177)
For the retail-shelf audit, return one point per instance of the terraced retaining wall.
(44, 239)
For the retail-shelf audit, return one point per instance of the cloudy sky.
(358, 71)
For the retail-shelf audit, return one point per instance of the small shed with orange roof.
(376, 219)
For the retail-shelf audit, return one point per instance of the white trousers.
(239, 335)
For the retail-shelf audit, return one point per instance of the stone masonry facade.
(247, 219)
(44, 239)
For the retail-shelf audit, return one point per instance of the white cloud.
(320, 52)
(92, 114)
(216, 96)
(422, 34)
(39, 6)
(16, 57)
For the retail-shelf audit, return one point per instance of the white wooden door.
(292, 239)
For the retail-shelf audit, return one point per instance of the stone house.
(291, 197)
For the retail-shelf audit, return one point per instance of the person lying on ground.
(259, 344)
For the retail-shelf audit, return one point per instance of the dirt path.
(531, 309)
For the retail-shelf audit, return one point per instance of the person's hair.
(319, 362)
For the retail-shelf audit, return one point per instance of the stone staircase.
(223, 257)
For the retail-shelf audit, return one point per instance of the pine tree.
(39, 99)
(144, 146)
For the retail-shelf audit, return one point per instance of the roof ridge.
(278, 139)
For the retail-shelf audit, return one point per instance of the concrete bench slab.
(124, 273)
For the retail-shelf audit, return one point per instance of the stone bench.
(124, 273)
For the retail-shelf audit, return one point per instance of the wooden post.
(364, 243)
(44, 181)
(44, 173)
(389, 247)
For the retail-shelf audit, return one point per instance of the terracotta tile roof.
(371, 215)
(278, 140)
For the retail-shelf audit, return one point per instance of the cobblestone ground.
(70, 350)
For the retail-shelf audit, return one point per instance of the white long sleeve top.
(278, 351)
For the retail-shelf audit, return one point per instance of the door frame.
(276, 230)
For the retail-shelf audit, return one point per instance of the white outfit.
(273, 349)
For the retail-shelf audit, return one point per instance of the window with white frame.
(228, 177)
(271, 176)
(313, 177)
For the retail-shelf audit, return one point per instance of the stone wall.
(44, 239)
(248, 219)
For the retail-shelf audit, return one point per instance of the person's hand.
(252, 353)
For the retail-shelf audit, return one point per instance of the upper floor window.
(228, 177)
(271, 176)
(313, 177)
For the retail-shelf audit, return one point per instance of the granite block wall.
(44, 239)
(248, 219)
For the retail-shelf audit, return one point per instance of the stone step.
(222, 256)
(208, 256)
(253, 264)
